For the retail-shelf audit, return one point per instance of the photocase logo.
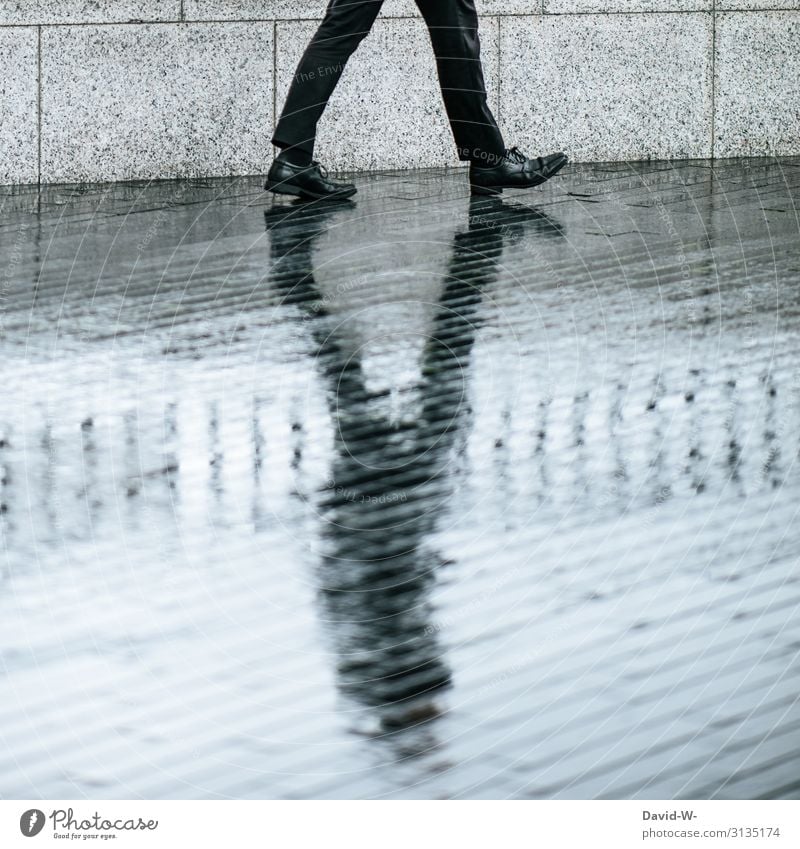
(31, 822)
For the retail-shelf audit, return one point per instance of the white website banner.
(400, 825)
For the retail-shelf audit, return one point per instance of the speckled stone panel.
(126, 102)
(314, 9)
(728, 5)
(567, 7)
(18, 102)
(757, 84)
(608, 86)
(387, 110)
(87, 11)
(207, 10)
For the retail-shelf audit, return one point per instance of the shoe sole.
(298, 192)
(498, 190)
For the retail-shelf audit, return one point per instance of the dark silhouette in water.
(388, 484)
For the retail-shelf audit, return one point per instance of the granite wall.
(121, 89)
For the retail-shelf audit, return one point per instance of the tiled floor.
(415, 497)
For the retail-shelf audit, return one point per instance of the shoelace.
(321, 168)
(515, 155)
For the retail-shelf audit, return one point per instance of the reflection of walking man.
(453, 27)
(389, 486)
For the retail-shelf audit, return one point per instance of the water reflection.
(390, 480)
(611, 479)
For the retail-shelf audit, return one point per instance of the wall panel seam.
(541, 12)
(713, 79)
(38, 106)
(274, 77)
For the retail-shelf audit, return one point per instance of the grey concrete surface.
(600, 79)
(412, 497)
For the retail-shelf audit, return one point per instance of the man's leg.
(453, 27)
(345, 25)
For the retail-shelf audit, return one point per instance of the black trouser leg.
(344, 27)
(453, 26)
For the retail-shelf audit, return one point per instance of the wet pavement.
(413, 497)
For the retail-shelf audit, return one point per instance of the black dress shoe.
(515, 171)
(310, 182)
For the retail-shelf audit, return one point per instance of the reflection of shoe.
(515, 171)
(295, 226)
(511, 219)
(303, 213)
(305, 181)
